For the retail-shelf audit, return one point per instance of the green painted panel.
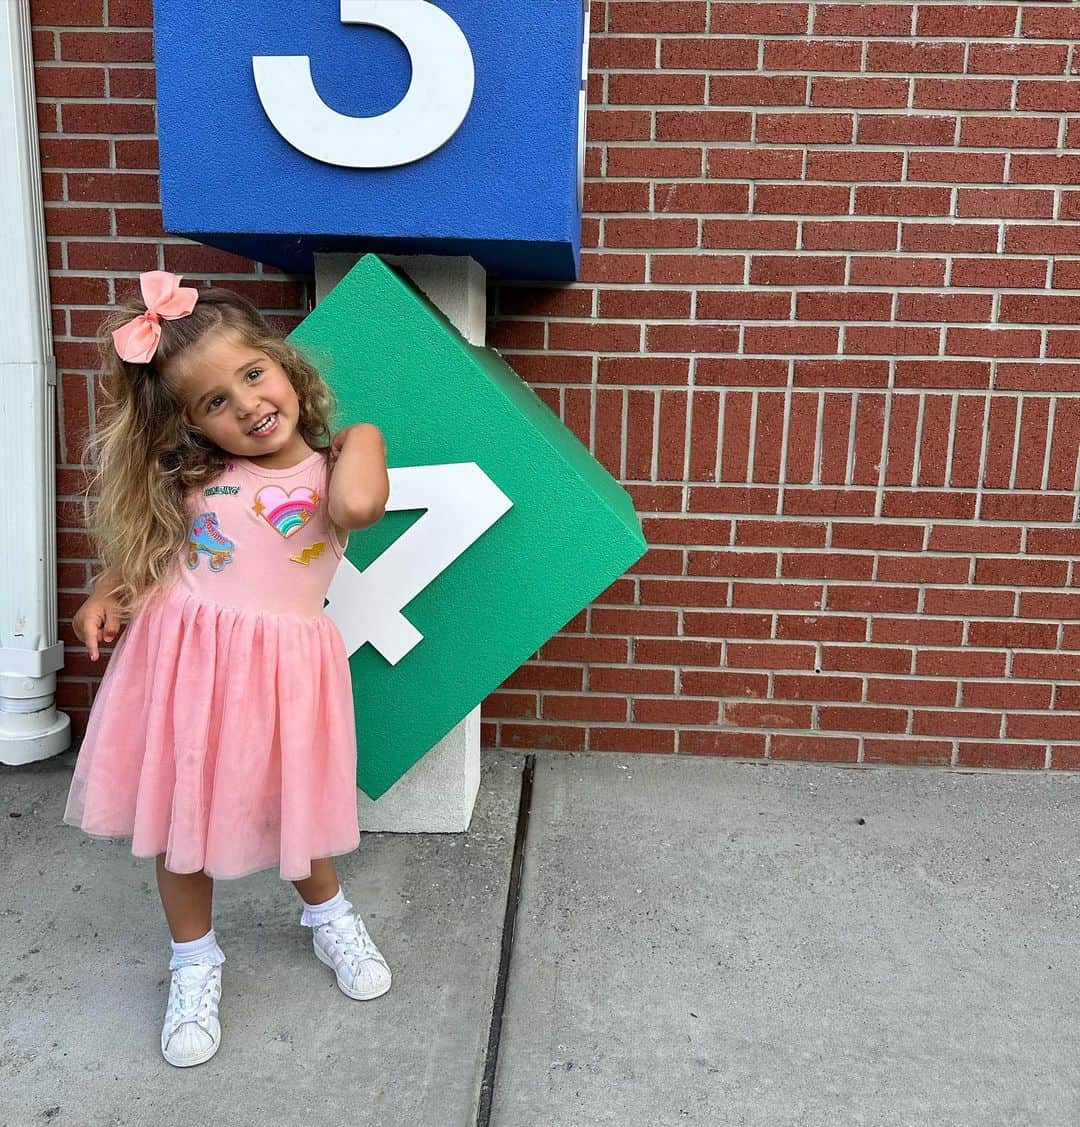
(568, 532)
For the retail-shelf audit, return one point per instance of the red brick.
(699, 199)
(642, 369)
(694, 269)
(866, 659)
(944, 307)
(863, 19)
(691, 338)
(917, 631)
(763, 655)
(653, 740)
(841, 719)
(882, 270)
(725, 683)
(924, 753)
(1017, 58)
(757, 90)
(974, 538)
(663, 16)
(811, 628)
(1013, 635)
(547, 737)
(109, 187)
(768, 715)
(1039, 604)
(858, 93)
(833, 749)
(955, 722)
(1009, 755)
(726, 234)
(959, 663)
(1006, 694)
(612, 267)
(1022, 573)
(929, 504)
(654, 162)
(787, 270)
(510, 706)
(816, 687)
(703, 125)
(641, 304)
(1025, 507)
(906, 129)
(911, 690)
(619, 125)
(651, 232)
(807, 129)
(1040, 666)
(708, 53)
(962, 94)
(130, 13)
(656, 89)
(828, 502)
(107, 46)
(132, 82)
(1043, 726)
(743, 745)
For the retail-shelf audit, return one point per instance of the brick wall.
(822, 335)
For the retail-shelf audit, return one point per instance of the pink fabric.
(223, 734)
(163, 296)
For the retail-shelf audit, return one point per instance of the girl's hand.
(96, 621)
(338, 441)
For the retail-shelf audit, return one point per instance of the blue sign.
(401, 126)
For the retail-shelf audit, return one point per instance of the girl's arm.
(98, 619)
(359, 484)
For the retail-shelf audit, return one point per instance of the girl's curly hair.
(147, 451)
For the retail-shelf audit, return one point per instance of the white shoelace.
(193, 993)
(355, 942)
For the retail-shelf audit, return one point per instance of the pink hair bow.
(163, 296)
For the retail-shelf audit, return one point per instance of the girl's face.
(242, 400)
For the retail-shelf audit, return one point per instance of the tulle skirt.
(222, 738)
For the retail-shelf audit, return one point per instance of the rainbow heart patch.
(286, 512)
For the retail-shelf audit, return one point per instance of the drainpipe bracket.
(31, 663)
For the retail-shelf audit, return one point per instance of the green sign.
(500, 527)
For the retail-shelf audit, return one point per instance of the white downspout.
(30, 726)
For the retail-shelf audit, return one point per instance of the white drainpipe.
(30, 726)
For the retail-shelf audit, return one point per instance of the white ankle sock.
(315, 915)
(204, 950)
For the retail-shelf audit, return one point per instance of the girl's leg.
(338, 933)
(187, 899)
(322, 885)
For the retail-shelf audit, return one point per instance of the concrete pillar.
(436, 795)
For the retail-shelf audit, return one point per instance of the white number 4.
(462, 503)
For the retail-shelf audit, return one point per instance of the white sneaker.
(345, 946)
(191, 1033)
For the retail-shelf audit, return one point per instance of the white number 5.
(427, 117)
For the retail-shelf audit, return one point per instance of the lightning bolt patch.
(309, 554)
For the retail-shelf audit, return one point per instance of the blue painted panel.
(504, 186)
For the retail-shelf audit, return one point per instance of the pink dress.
(223, 734)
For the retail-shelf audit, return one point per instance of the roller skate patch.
(286, 513)
(205, 536)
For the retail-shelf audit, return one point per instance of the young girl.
(222, 737)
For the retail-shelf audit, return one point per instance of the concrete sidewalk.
(696, 941)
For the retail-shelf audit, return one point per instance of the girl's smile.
(243, 401)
